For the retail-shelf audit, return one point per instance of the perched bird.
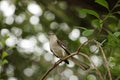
(59, 49)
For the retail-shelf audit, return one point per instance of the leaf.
(117, 4)
(4, 54)
(5, 61)
(102, 3)
(118, 12)
(113, 41)
(87, 32)
(97, 23)
(116, 34)
(112, 59)
(91, 12)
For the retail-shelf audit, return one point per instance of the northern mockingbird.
(58, 48)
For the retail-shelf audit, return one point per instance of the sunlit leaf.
(97, 23)
(102, 3)
(4, 54)
(91, 12)
(5, 61)
(112, 59)
(117, 34)
(87, 32)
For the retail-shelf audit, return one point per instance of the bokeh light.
(91, 77)
(34, 20)
(83, 39)
(35, 9)
(50, 78)
(54, 25)
(64, 27)
(26, 45)
(73, 77)
(20, 18)
(5, 32)
(28, 72)
(10, 71)
(97, 60)
(46, 46)
(94, 49)
(74, 34)
(12, 78)
(67, 73)
(49, 15)
(42, 37)
(48, 57)
(11, 41)
(63, 5)
(9, 20)
(16, 31)
(7, 8)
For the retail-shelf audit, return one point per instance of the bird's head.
(52, 36)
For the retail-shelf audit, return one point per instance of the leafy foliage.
(91, 12)
(103, 3)
(29, 60)
(87, 32)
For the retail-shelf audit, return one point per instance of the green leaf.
(117, 4)
(112, 59)
(91, 77)
(102, 3)
(118, 12)
(87, 32)
(91, 12)
(116, 34)
(97, 23)
(5, 61)
(4, 54)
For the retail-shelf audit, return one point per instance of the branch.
(82, 54)
(72, 54)
(84, 44)
(56, 64)
(98, 72)
(105, 59)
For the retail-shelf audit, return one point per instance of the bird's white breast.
(58, 51)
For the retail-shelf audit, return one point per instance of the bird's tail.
(82, 65)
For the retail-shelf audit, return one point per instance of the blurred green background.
(24, 43)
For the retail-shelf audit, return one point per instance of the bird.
(60, 50)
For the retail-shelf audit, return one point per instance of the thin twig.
(72, 54)
(59, 61)
(80, 53)
(85, 43)
(98, 72)
(105, 59)
(56, 64)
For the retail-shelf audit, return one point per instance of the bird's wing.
(61, 44)
(54, 53)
